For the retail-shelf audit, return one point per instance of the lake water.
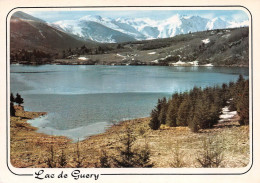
(85, 100)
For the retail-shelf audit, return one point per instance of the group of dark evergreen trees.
(83, 50)
(18, 99)
(35, 56)
(200, 108)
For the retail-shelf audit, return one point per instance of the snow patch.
(194, 63)
(205, 41)
(83, 58)
(226, 36)
(152, 53)
(155, 61)
(41, 34)
(226, 114)
(124, 57)
(58, 33)
(178, 63)
(181, 63)
(208, 65)
(120, 55)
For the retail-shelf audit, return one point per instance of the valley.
(98, 79)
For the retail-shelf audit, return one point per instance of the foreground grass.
(32, 149)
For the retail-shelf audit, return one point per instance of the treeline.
(200, 108)
(84, 50)
(30, 56)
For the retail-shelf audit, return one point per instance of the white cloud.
(239, 17)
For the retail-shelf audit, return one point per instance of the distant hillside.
(229, 47)
(30, 33)
(33, 41)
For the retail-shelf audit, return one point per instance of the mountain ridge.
(28, 32)
(142, 28)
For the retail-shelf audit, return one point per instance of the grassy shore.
(168, 144)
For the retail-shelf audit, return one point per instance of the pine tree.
(173, 110)
(184, 112)
(154, 122)
(240, 79)
(19, 99)
(194, 124)
(231, 90)
(130, 157)
(163, 111)
(143, 157)
(63, 54)
(201, 114)
(239, 85)
(104, 160)
(12, 109)
(62, 159)
(243, 105)
(12, 99)
(213, 115)
(224, 93)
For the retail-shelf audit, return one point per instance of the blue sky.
(52, 16)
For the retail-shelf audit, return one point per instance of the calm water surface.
(85, 100)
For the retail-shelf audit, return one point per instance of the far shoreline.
(120, 64)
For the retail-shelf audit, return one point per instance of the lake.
(84, 100)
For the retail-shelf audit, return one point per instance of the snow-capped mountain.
(103, 29)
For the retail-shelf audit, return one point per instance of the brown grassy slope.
(28, 148)
(31, 149)
(30, 35)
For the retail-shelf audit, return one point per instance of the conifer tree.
(12, 99)
(183, 112)
(240, 79)
(239, 85)
(224, 93)
(172, 110)
(12, 109)
(154, 122)
(201, 114)
(214, 112)
(194, 124)
(231, 90)
(19, 99)
(163, 111)
(130, 157)
(243, 105)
